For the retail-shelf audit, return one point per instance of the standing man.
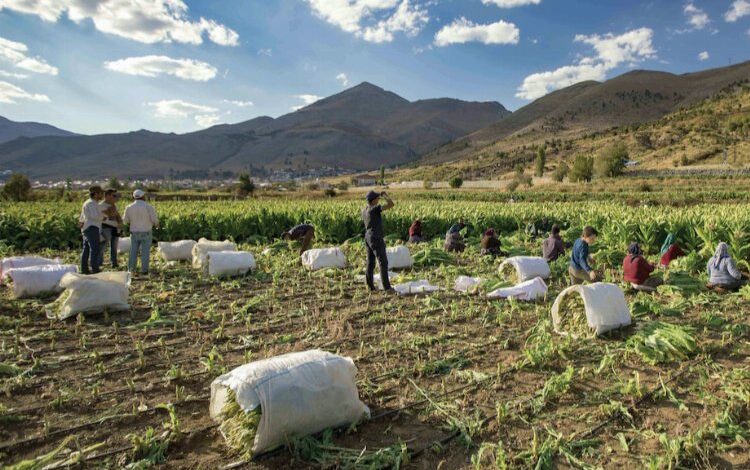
(303, 233)
(141, 218)
(374, 241)
(90, 222)
(579, 268)
(111, 224)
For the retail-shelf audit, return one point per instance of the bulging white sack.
(298, 393)
(36, 280)
(123, 245)
(204, 247)
(399, 257)
(23, 262)
(229, 263)
(528, 267)
(320, 258)
(415, 287)
(176, 251)
(528, 290)
(90, 293)
(468, 284)
(605, 306)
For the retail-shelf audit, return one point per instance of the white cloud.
(204, 116)
(307, 100)
(11, 94)
(703, 55)
(206, 120)
(266, 52)
(343, 79)
(511, 3)
(148, 21)
(463, 30)
(14, 53)
(155, 65)
(6, 74)
(610, 51)
(240, 104)
(349, 16)
(697, 18)
(738, 9)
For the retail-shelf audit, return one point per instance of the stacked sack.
(201, 250)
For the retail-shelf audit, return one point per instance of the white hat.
(137, 194)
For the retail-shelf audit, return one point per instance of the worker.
(637, 270)
(723, 274)
(553, 246)
(580, 269)
(374, 240)
(670, 251)
(415, 231)
(453, 239)
(303, 233)
(490, 244)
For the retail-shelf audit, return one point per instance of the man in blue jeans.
(90, 222)
(374, 241)
(141, 218)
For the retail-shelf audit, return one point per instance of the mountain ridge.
(10, 130)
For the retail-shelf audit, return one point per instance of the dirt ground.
(460, 380)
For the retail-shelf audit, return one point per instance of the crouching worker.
(670, 251)
(415, 231)
(374, 241)
(553, 246)
(453, 239)
(303, 233)
(723, 274)
(637, 271)
(491, 244)
(580, 269)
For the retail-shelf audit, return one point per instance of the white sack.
(527, 290)
(176, 251)
(298, 393)
(415, 287)
(36, 280)
(399, 257)
(528, 267)
(320, 258)
(90, 293)
(123, 245)
(23, 262)
(204, 247)
(468, 284)
(229, 263)
(605, 305)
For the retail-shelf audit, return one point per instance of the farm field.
(453, 380)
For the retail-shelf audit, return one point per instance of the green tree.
(245, 186)
(382, 174)
(611, 161)
(541, 159)
(455, 182)
(17, 188)
(114, 183)
(560, 172)
(583, 169)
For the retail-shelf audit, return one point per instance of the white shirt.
(91, 215)
(141, 216)
(107, 221)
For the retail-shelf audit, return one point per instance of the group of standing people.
(101, 225)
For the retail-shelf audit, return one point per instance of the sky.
(104, 66)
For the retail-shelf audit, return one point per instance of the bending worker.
(303, 233)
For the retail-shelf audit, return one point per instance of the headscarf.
(635, 250)
(490, 232)
(669, 241)
(416, 226)
(722, 251)
(454, 228)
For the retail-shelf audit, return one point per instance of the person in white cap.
(141, 218)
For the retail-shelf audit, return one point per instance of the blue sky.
(181, 65)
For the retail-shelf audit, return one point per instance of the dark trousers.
(92, 252)
(376, 250)
(110, 238)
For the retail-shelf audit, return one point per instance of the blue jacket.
(579, 259)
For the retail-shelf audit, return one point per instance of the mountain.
(631, 98)
(9, 130)
(360, 128)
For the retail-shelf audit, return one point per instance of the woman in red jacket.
(670, 251)
(636, 270)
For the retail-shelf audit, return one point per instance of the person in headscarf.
(553, 246)
(453, 239)
(490, 244)
(637, 270)
(670, 251)
(415, 231)
(722, 270)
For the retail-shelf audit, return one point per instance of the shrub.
(611, 161)
(343, 186)
(17, 188)
(541, 159)
(245, 186)
(560, 172)
(583, 169)
(455, 182)
(427, 184)
(329, 192)
(512, 186)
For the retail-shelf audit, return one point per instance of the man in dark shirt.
(374, 242)
(579, 268)
(553, 247)
(304, 233)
